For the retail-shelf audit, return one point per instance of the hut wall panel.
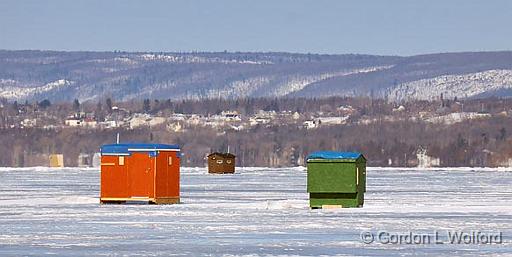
(141, 174)
(114, 178)
(167, 176)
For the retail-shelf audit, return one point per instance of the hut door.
(141, 173)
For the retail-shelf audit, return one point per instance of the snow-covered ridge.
(116, 60)
(21, 93)
(466, 85)
(35, 60)
(239, 88)
(298, 83)
(292, 83)
(195, 59)
(8, 82)
(151, 91)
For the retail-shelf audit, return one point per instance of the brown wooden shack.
(221, 163)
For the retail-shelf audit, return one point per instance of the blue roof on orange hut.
(136, 147)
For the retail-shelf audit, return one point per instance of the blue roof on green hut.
(335, 155)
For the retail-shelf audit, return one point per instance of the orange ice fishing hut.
(140, 172)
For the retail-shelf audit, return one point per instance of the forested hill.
(63, 76)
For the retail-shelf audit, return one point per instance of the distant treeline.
(391, 139)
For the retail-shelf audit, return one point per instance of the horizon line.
(250, 52)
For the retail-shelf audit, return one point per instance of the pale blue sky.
(398, 27)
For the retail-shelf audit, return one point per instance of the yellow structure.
(56, 160)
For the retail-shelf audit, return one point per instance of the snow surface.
(258, 211)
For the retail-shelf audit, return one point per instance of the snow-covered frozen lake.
(258, 211)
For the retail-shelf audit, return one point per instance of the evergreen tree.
(108, 102)
(76, 105)
(44, 104)
(146, 107)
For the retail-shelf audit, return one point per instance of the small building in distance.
(73, 122)
(221, 163)
(56, 160)
(426, 161)
(84, 160)
(96, 160)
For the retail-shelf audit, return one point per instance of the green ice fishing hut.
(336, 179)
